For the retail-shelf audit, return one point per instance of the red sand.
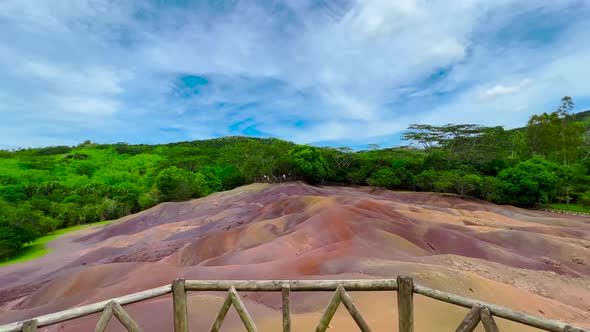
(532, 261)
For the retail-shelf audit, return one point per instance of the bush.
(13, 193)
(385, 178)
(308, 163)
(530, 182)
(358, 178)
(175, 184)
(585, 198)
(426, 180)
(18, 226)
(85, 168)
(149, 199)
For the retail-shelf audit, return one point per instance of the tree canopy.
(44, 189)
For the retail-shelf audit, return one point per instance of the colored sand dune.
(532, 261)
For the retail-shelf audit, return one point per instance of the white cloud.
(500, 90)
(350, 70)
(541, 93)
(93, 81)
(86, 104)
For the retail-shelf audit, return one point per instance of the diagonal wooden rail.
(480, 312)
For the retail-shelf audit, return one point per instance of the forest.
(545, 163)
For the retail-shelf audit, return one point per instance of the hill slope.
(531, 261)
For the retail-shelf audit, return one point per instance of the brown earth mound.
(532, 261)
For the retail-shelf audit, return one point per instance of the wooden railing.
(479, 311)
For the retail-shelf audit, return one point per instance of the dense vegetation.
(45, 189)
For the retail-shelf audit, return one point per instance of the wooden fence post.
(241, 309)
(180, 307)
(488, 320)
(124, 317)
(405, 303)
(471, 320)
(329, 313)
(30, 326)
(221, 315)
(104, 319)
(356, 315)
(286, 310)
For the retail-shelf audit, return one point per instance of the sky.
(322, 72)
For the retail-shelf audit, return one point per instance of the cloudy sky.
(324, 72)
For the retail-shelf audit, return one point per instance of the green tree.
(308, 163)
(529, 182)
(175, 183)
(542, 133)
(444, 184)
(357, 177)
(585, 198)
(556, 135)
(572, 182)
(13, 193)
(491, 188)
(517, 145)
(17, 228)
(214, 175)
(385, 178)
(201, 184)
(425, 180)
(439, 160)
(570, 132)
(85, 168)
(463, 183)
(149, 199)
(206, 182)
(49, 224)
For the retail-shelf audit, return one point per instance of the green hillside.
(46, 189)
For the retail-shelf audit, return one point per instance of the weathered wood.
(405, 303)
(104, 319)
(496, 310)
(329, 313)
(86, 310)
(124, 318)
(300, 285)
(487, 320)
(569, 328)
(179, 306)
(294, 285)
(356, 315)
(221, 315)
(471, 320)
(241, 309)
(286, 310)
(30, 326)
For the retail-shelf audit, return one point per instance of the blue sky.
(324, 72)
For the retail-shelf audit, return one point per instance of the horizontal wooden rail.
(496, 310)
(301, 286)
(86, 310)
(294, 285)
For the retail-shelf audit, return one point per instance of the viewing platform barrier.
(480, 312)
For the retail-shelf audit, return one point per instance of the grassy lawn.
(37, 248)
(571, 207)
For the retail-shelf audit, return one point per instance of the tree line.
(44, 189)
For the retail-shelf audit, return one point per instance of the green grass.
(570, 207)
(37, 248)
